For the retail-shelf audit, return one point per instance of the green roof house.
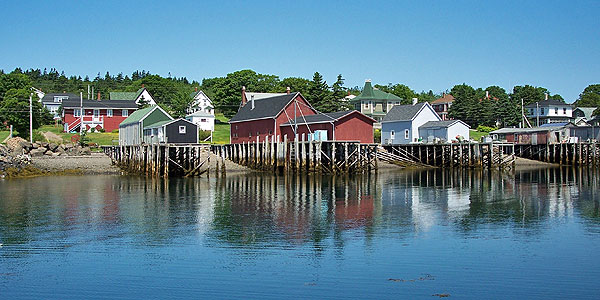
(141, 95)
(131, 129)
(373, 102)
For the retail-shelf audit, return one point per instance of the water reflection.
(259, 210)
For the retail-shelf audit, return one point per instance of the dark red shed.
(348, 125)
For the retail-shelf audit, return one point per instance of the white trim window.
(406, 134)
(125, 113)
(392, 134)
(181, 129)
(109, 112)
(77, 112)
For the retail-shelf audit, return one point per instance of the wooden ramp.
(399, 158)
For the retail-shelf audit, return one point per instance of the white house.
(200, 103)
(444, 131)
(204, 120)
(549, 111)
(402, 122)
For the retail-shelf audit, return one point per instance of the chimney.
(98, 96)
(348, 92)
(367, 80)
(244, 100)
(487, 95)
(252, 100)
(443, 94)
(415, 101)
(287, 90)
(142, 85)
(196, 89)
(545, 96)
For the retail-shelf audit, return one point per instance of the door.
(96, 115)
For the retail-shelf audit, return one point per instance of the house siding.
(246, 131)
(110, 123)
(189, 137)
(354, 127)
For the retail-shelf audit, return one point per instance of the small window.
(257, 133)
(125, 113)
(77, 112)
(249, 134)
(541, 111)
(109, 113)
(203, 120)
(181, 129)
(564, 110)
(556, 110)
(270, 131)
(392, 134)
(236, 127)
(406, 134)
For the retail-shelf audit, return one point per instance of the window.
(556, 110)
(59, 99)
(541, 111)
(270, 131)
(203, 120)
(125, 113)
(250, 134)
(564, 110)
(532, 112)
(77, 112)
(366, 104)
(109, 113)
(181, 129)
(406, 134)
(96, 113)
(257, 133)
(392, 134)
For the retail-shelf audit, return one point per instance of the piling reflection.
(262, 211)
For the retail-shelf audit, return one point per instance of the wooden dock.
(570, 154)
(161, 160)
(300, 156)
(456, 155)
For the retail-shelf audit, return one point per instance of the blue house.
(402, 122)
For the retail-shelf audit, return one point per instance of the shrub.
(37, 136)
(115, 131)
(92, 129)
(486, 129)
(377, 136)
(102, 130)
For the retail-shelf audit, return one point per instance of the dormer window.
(59, 99)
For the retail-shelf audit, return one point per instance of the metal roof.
(370, 93)
(545, 103)
(263, 108)
(49, 98)
(201, 114)
(126, 95)
(76, 103)
(446, 124)
(403, 112)
(525, 130)
(320, 118)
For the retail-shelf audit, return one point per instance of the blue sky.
(425, 45)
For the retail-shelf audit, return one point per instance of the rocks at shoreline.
(19, 146)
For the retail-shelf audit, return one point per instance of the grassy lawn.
(221, 133)
(100, 138)
(3, 135)
(476, 135)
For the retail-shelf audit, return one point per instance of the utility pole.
(30, 118)
(537, 112)
(522, 115)
(80, 113)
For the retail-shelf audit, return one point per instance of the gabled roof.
(49, 98)
(370, 93)
(587, 111)
(76, 103)
(263, 108)
(126, 95)
(548, 102)
(258, 96)
(140, 114)
(446, 98)
(323, 117)
(445, 124)
(403, 112)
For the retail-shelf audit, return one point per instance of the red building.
(270, 115)
(442, 105)
(261, 117)
(350, 125)
(98, 114)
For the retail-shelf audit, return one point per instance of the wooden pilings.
(161, 160)
(301, 156)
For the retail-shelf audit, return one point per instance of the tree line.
(471, 105)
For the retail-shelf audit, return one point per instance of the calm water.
(471, 235)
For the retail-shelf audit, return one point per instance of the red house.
(261, 116)
(350, 125)
(271, 115)
(98, 114)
